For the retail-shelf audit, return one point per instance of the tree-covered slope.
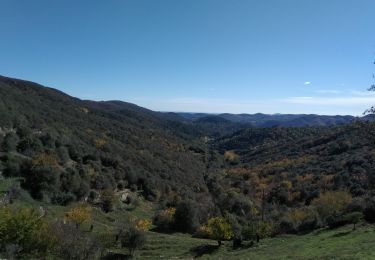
(64, 147)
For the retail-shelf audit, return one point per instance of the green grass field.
(342, 243)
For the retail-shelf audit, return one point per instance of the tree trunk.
(219, 242)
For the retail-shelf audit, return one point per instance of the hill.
(95, 145)
(130, 171)
(265, 120)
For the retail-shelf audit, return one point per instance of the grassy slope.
(332, 244)
(342, 243)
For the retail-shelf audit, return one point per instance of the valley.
(129, 181)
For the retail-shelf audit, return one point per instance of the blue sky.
(238, 56)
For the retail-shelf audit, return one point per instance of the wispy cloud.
(362, 93)
(328, 91)
(307, 83)
(331, 101)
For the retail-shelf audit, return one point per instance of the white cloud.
(307, 83)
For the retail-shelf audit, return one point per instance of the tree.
(108, 200)
(132, 238)
(25, 229)
(143, 224)
(185, 218)
(369, 210)
(76, 244)
(42, 177)
(79, 215)
(354, 218)
(219, 229)
(10, 142)
(371, 110)
(331, 203)
(257, 230)
(164, 219)
(299, 220)
(42, 182)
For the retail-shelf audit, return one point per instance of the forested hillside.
(121, 166)
(265, 120)
(295, 175)
(65, 147)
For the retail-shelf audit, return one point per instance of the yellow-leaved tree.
(331, 203)
(218, 228)
(79, 215)
(143, 224)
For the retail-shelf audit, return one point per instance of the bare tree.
(371, 110)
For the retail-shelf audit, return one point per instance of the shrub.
(185, 218)
(74, 243)
(369, 211)
(354, 218)
(164, 219)
(350, 218)
(13, 165)
(132, 239)
(299, 220)
(257, 229)
(143, 224)
(331, 203)
(79, 215)
(30, 145)
(219, 229)
(108, 199)
(42, 182)
(27, 230)
(202, 232)
(10, 142)
(231, 157)
(93, 195)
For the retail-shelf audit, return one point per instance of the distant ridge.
(267, 120)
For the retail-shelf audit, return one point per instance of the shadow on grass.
(203, 249)
(341, 234)
(246, 245)
(116, 256)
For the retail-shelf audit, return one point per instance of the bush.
(143, 224)
(257, 229)
(164, 219)
(132, 239)
(299, 220)
(369, 211)
(27, 231)
(185, 218)
(350, 218)
(331, 203)
(108, 199)
(13, 165)
(219, 229)
(30, 146)
(74, 243)
(93, 195)
(10, 142)
(42, 182)
(14, 192)
(79, 215)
